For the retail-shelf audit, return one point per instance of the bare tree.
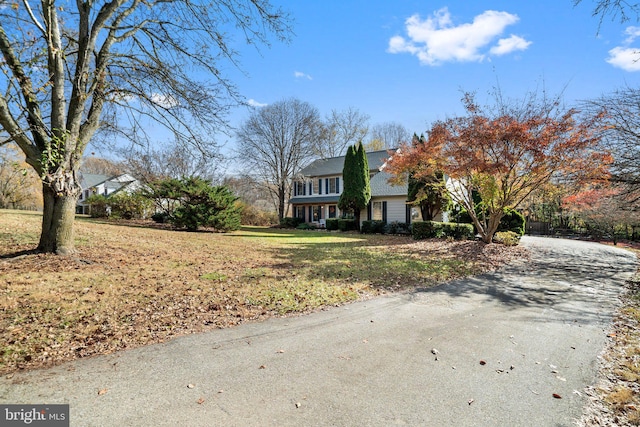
(389, 135)
(621, 136)
(340, 130)
(71, 69)
(275, 142)
(100, 166)
(621, 10)
(171, 161)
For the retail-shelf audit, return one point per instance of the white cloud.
(512, 44)
(626, 57)
(301, 75)
(632, 34)
(164, 101)
(252, 102)
(436, 39)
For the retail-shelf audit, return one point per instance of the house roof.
(334, 165)
(116, 182)
(88, 180)
(380, 186)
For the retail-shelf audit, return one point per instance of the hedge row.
(290, 222)
(511, 221)
(381, 227)
(431, 229)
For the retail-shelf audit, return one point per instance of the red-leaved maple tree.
(604, 211)
(503, 153)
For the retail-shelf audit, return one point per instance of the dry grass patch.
(135, 284)
(616, 400)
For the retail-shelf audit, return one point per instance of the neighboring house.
(317, 188)
(104, 185)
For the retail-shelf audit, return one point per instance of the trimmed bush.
(396, 227)
(290, 222)
(457, 231)
(513, 221)
(346, 224)
(129, 206)
(507, 238)
(433, 229)
(98, 206)
(422, 230)
(305, 226)
(373, 227)
(332, 224)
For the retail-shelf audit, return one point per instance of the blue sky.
(409, 61)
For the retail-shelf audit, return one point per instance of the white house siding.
(396, 208)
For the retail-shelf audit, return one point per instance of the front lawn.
(133, 284)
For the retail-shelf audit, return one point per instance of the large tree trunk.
(59, 198)
(356, 216)
(281, 203)
(492, 226)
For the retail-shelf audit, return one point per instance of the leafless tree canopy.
(621, 10)
(70, 69)
(171, 161)
(390, 134)
(276, 142)
(101, 166)
(621, 135)
(340, 130)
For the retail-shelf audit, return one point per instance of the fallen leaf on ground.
(434, 351)
(482, 362)
(262, 367)
(557, 396)
(470, 401)
(200, 401)
(103, 391)
(190, 385)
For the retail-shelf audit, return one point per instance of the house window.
(376, 211)
(299, 189)
(316, 186)
(298, 212)
(332, 185)
(316, 213)
(332, 211)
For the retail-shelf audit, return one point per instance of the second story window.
(332, 186)
(316, 186)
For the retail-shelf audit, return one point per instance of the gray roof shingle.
(380, 186)
(334, 165)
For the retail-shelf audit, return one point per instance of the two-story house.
(317, 188)
(105, 185)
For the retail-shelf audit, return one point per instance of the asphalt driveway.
(487, 351)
